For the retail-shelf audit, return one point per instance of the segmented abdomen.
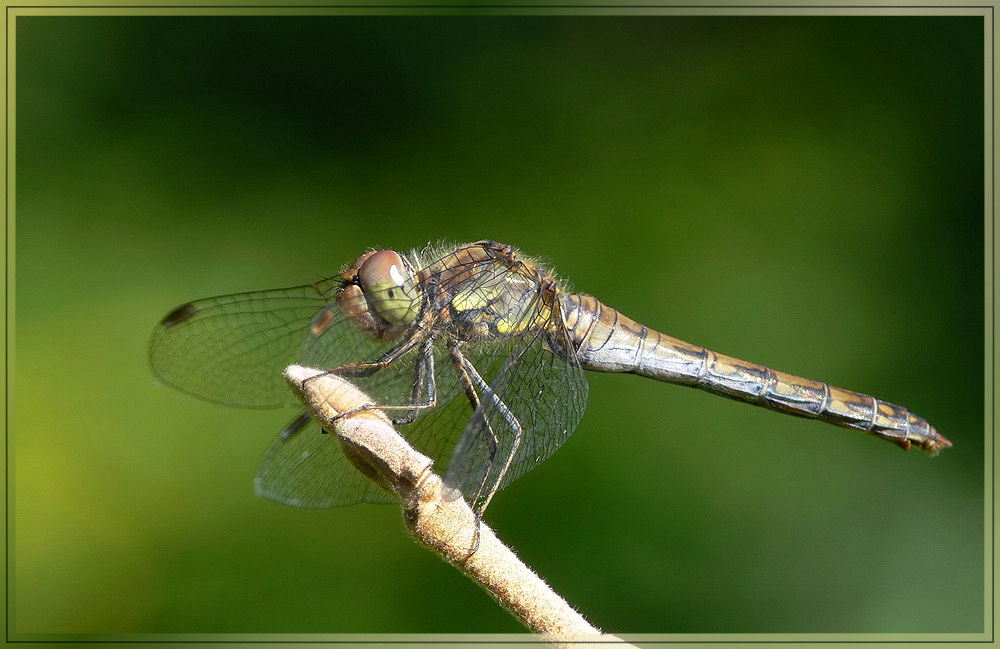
(608, 341)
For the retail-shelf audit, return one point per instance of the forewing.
(231, 349)
(541, 387)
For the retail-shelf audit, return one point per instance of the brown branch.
(436, 515)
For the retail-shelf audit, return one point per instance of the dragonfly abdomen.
(608, 341)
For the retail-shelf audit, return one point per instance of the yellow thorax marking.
(513, 303)
(526, 321)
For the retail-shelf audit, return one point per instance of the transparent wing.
(533, 403)
(305, 468)
(231, 349)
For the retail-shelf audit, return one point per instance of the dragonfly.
(475, 351)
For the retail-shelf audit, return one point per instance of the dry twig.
(436, 515)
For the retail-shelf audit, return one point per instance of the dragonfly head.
(380, 295)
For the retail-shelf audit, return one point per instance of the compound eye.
(386, 281)
(382, 270)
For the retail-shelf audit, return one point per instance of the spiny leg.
(516, 430)
(459, 362)
(470, 379)
(464, 370)
(424, 374)
(362, 370)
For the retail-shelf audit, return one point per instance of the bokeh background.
(802, 192)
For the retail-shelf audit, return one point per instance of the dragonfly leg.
(361, 370)
(390, 357)
(459, 362)
(464, 370)
(424, 376)
(411, 407)
(478, 503)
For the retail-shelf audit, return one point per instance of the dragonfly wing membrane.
(309, 469)
(231, 349)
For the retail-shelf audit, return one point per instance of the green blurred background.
(802, 192)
